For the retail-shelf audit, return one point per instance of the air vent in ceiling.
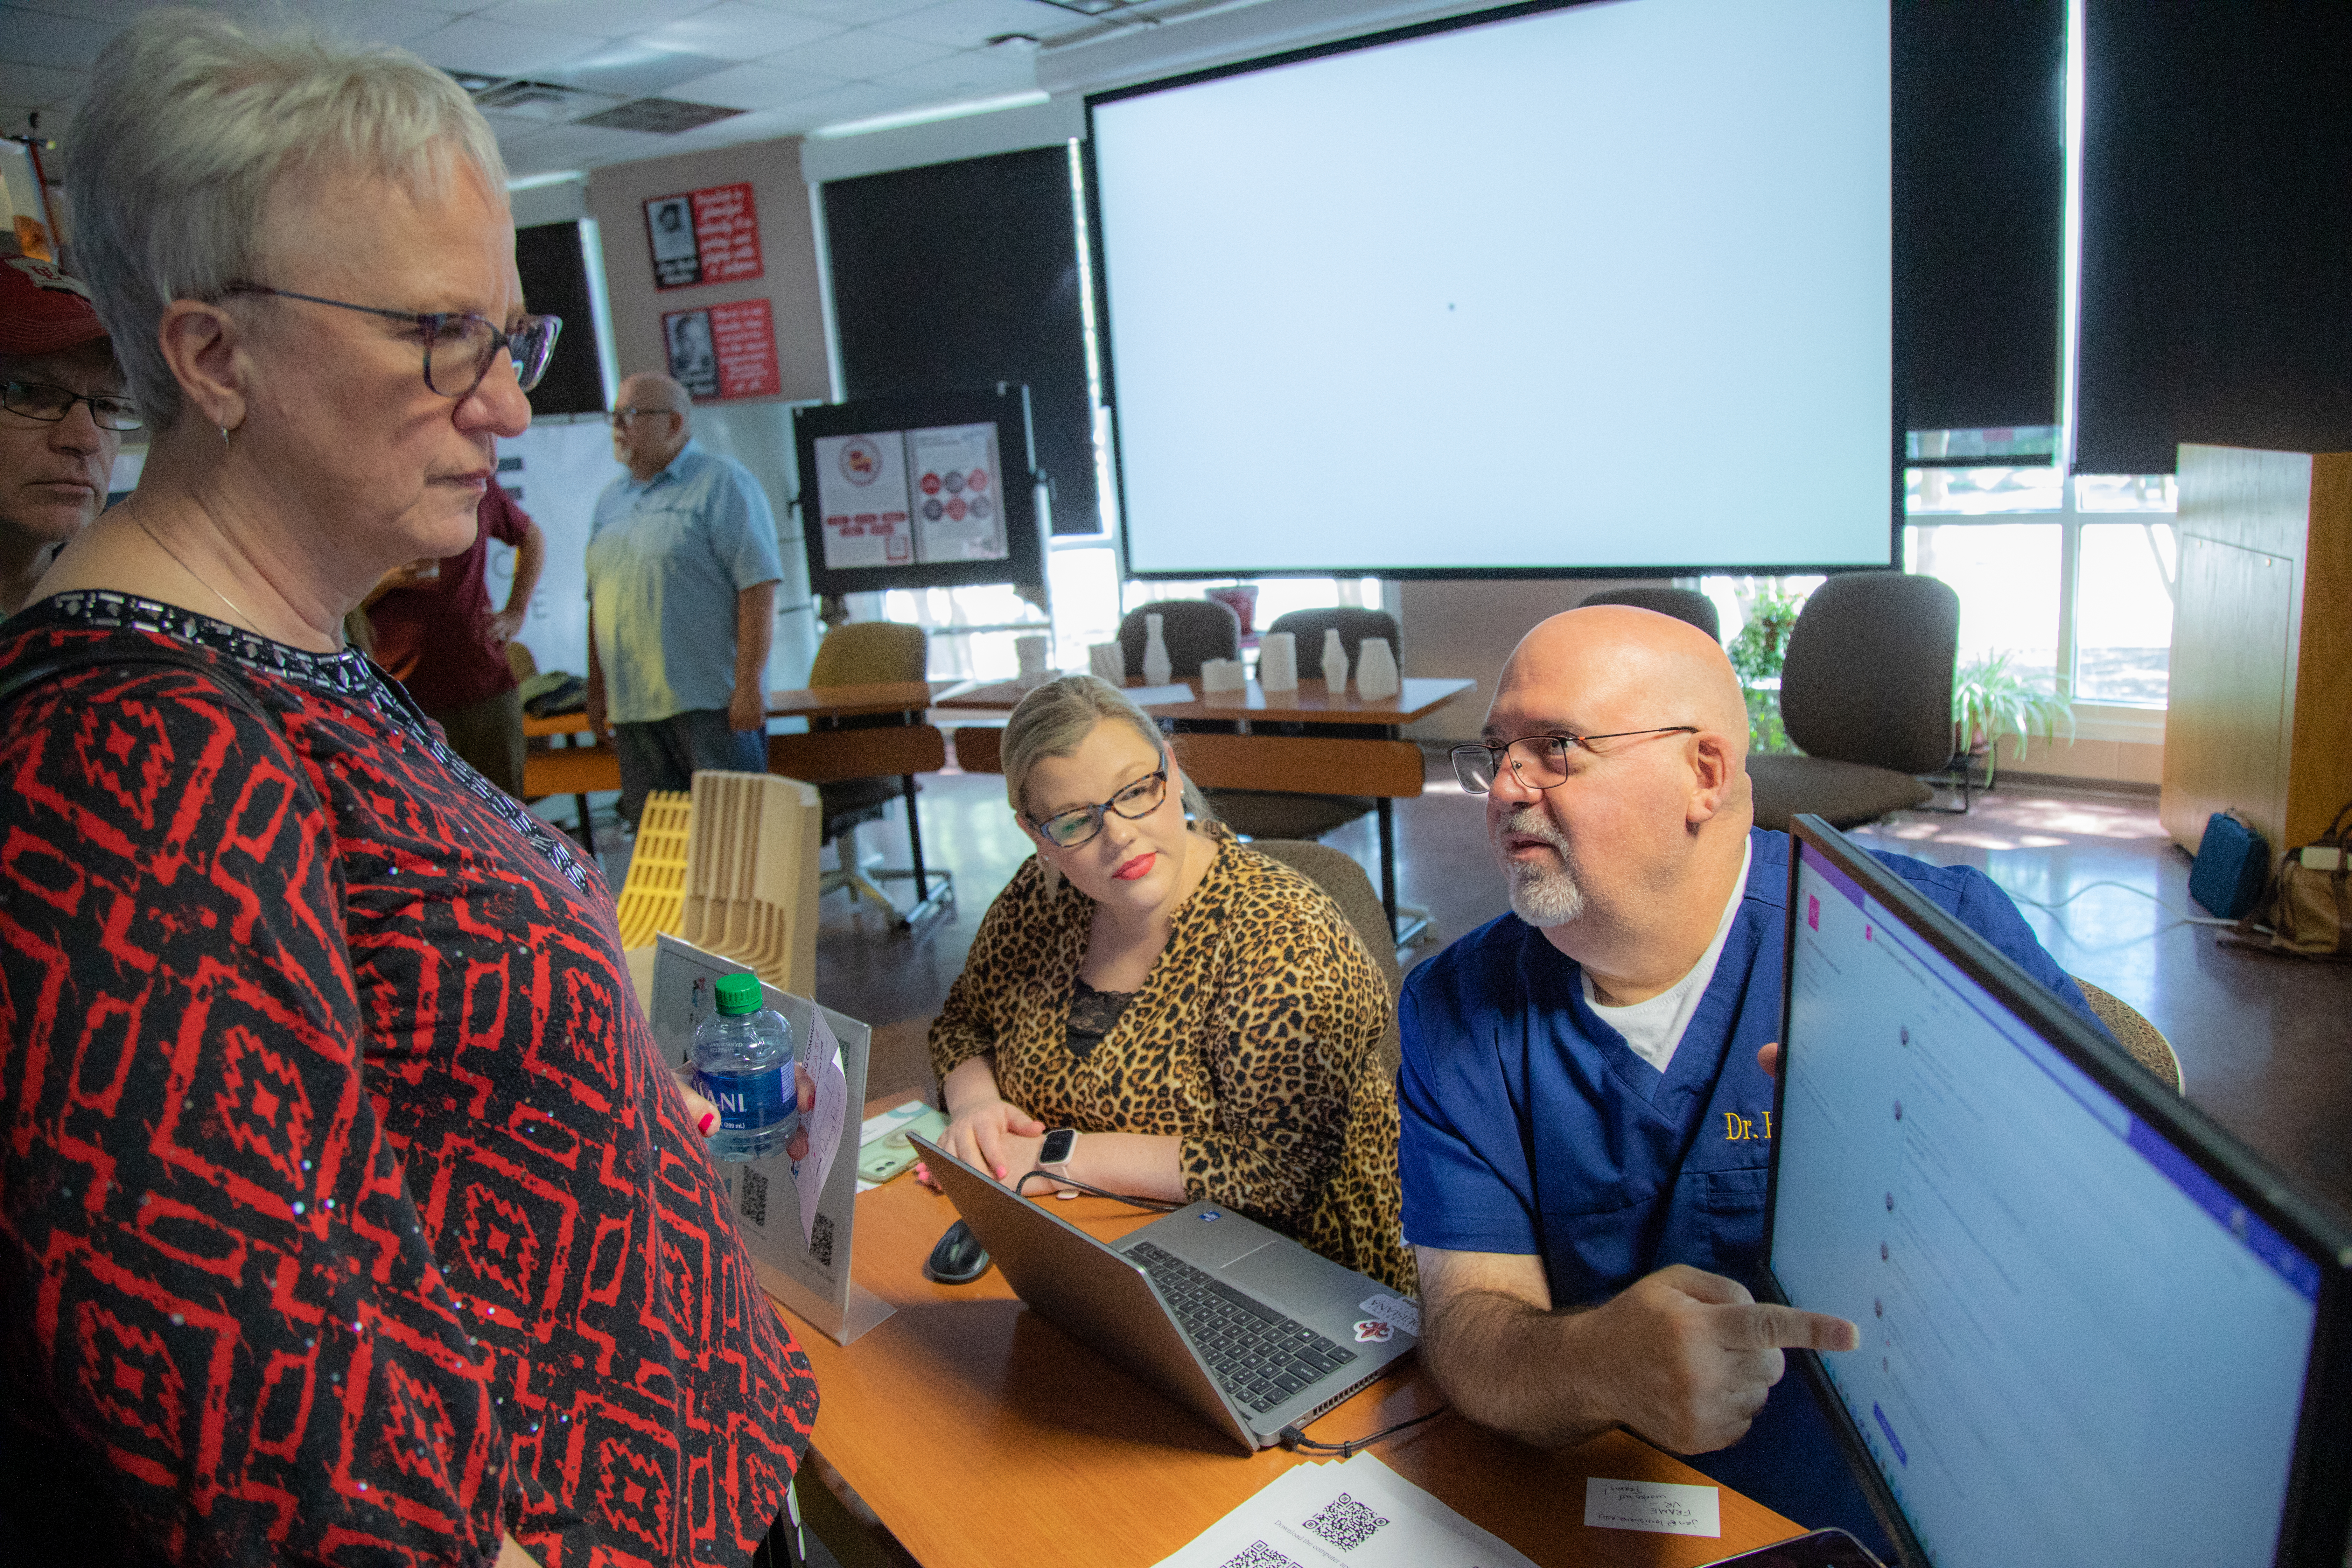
(544, 100)
(661, 116)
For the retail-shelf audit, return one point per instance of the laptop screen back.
(2077, 1346)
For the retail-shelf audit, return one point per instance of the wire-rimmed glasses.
(1538, 762)
(1069, 829)
(51, 404)
(628, 414)
(464, 343)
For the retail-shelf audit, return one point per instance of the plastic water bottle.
(744, 1065)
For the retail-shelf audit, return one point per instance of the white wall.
(1468, 627)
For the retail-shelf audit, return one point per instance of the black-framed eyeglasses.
(1069, 829)
(464, 343)
(1538, 762)
(51, 404)
(627, 414)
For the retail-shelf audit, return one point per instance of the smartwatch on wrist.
(1054, 1157)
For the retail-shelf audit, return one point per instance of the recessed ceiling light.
(1014, 43)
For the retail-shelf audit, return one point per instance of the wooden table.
(984, 1436)
(1293, 764)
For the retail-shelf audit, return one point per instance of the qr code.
(752, 1200)
(1345, 1523)
(1258, 1555)
(821, 1241)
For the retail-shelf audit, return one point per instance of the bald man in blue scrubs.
(1585, 1081)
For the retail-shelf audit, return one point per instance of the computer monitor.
(2095, 1329)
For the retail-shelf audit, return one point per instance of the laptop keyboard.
(1261, 1357)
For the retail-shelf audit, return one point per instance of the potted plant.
(1991, 700)
(1757, 654)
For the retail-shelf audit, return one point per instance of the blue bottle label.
(751, 1101)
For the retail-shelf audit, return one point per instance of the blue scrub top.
(1530, 1126)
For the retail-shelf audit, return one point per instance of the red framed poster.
(724, 351)
(704, 237)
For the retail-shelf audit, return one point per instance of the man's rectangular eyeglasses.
(1538, 762)
(464, 343)
(51, 404)
(1069, 829)
(627, 416)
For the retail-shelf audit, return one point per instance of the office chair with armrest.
(864, 653)
(1683, 604)
(1260, 814)
(1195, 630)
(1338, 875)
(2143, 1039)
(1866, 693)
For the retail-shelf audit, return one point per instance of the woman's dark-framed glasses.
(1069, 829)
(51, 404)
(1538, 762)
(458, 344)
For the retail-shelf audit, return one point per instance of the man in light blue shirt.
(682, 572)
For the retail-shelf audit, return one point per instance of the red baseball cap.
(42, 310)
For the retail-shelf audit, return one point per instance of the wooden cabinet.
(2259, 719)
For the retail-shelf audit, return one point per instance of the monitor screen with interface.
(2092, 1325)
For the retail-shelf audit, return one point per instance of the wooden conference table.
(984, 1437)
(1387, 769)
(819, 757)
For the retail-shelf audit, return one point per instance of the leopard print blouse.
(1255, 1038)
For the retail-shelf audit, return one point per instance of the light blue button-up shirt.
(667, 558)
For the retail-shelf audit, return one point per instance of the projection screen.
(1596, 288)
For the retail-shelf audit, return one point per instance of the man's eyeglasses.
(459, 345)
(1069, 829)
(1538, 762)
(626, 416)
(51, 404)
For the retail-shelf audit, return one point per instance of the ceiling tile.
(499, 48)
(859, 54)
(579, 147)
(62, 43)
(967, 74)
(36, 85)
(610, 19)
(969, 24)
(121, 12)
(753, 87)
(733, 30)
(378, 24)
(856, 101)
(850, 13)
(632, 68)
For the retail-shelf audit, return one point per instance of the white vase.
(1334, 663)
(1156, 666)
(1376, 670)
(1277, 661)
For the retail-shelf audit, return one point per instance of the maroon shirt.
(347, 1212)
(435, 637)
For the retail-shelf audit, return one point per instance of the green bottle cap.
(738, 995)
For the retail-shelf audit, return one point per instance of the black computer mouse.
(958, 1258)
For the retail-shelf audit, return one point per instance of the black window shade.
(555, 283)
(957, 276)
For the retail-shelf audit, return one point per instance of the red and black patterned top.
(347, 1214)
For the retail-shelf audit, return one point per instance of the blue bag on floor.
(2232, 867)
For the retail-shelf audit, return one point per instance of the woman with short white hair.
(346, 1209)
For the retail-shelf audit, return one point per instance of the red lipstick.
(1140, 865)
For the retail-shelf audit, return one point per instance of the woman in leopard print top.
(1205, 1016)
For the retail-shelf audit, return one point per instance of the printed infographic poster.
(958, 500)
(861, 492)
(704, 237)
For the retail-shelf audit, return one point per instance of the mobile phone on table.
(1820, 1548)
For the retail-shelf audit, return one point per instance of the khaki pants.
(489, 734)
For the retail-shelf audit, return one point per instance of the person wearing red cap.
(62, 415)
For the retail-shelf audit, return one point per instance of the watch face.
(1058, 1145)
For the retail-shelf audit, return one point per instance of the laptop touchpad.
(1297, 1281)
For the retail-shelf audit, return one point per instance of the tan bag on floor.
(2308, 907)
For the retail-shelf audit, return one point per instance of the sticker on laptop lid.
(1372, 1331)
(1394, 1311)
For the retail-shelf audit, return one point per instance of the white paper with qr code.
(824, 1123)
(1361, 1513)
(1666, 1508)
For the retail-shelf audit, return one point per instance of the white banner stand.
(807, 1269)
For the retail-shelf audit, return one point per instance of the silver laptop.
(1234, 1322)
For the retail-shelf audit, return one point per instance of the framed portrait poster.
(704, 237)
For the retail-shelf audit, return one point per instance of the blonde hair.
(1055, 720)
(189, 124)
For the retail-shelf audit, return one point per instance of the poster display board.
(724, 351)
(704, 237)
(796, 1216)
(935, 490)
